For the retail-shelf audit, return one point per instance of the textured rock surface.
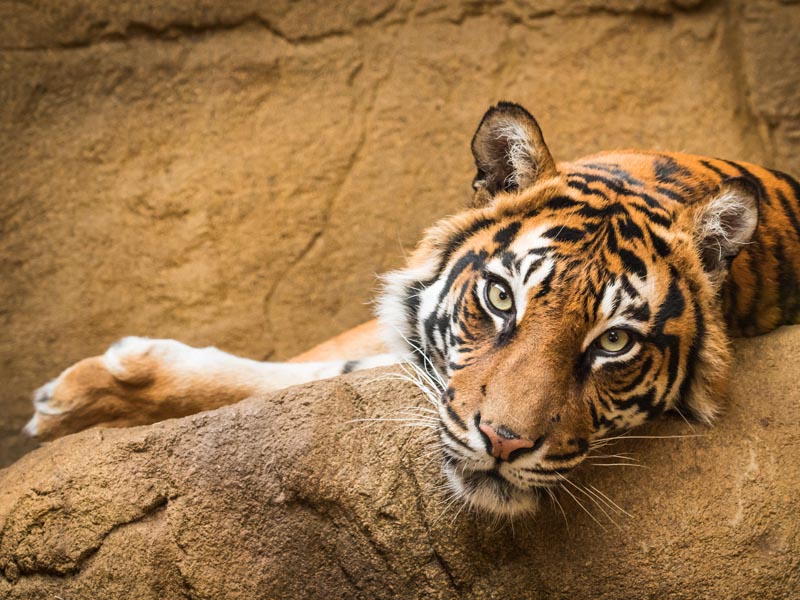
(234, 173)
(287, 497)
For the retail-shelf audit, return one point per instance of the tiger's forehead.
(567, 235)
(560, 257)
(538, 251)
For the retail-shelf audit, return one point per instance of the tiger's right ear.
(725, 224)
(509, 152)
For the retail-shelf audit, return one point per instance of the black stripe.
(698, 341)
(450, 435)
(595, 418)
(544, 286)
(506, 334)
(707, 164)
(585, 189)
(788, 286)
(560, 470)
(627, 286)
(789, 210)
(453, 415)
(562, 202)
(673, 307)
(638, 313)
(506, 235)
(654, 217)
(629, 230)
(605, 212)
(664, 191)
(748, 321)
(455, 242)
(617, 171)
(753, 178)
(532, 269)
(349, 366)
(632, 263)
(641, 373)
(564, 234)
(565, 457)
(644, 402)
(666, 168)
(659, 244)
(611, 240)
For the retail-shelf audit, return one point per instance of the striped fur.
(639, 241)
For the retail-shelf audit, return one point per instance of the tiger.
(567, 301)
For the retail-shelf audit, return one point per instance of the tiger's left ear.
(509, 152)
(725, 224)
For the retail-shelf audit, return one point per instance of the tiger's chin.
(489, 492)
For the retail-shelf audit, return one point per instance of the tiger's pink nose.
(503, 441)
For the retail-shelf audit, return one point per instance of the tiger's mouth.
(489, 491)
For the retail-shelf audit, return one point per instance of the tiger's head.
(570, 301)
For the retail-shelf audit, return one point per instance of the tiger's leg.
(141, 380)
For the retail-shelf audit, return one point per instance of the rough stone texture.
(289, 497)
(235, 173)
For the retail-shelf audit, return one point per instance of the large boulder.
(297, 496)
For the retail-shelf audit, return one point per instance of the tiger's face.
(571, 302)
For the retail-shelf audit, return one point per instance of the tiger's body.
(570, 301)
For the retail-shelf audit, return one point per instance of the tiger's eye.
(614, 341)
(499, 296)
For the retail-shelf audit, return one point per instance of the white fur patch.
(531, 240)
(520, 154)
(714, 225)
(392, 311)
(32, 427)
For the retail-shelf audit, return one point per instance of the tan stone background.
(235, 173)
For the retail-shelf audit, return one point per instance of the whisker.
(395, 419)
(619, 465)
(578, 502)
(451, 501)
(423, 383)
(594, 501)
(427, 361)
(617, 506)
(618, 456)
(458, 512)
(649, 437)
(555, 501)
(429, 394)
(685, 420)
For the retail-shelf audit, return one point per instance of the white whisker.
(587, 511)
(593, 500)
(617, 456)
(610, 501)
(649, 437)
(555, 501)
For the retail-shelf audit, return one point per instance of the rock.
(293, 496)
(770, 40)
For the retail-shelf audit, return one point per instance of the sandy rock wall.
(291, 497)
(235, 173)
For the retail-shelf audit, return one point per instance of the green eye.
(614, 341)
(499, 296)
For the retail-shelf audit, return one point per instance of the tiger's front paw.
(114, 389)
